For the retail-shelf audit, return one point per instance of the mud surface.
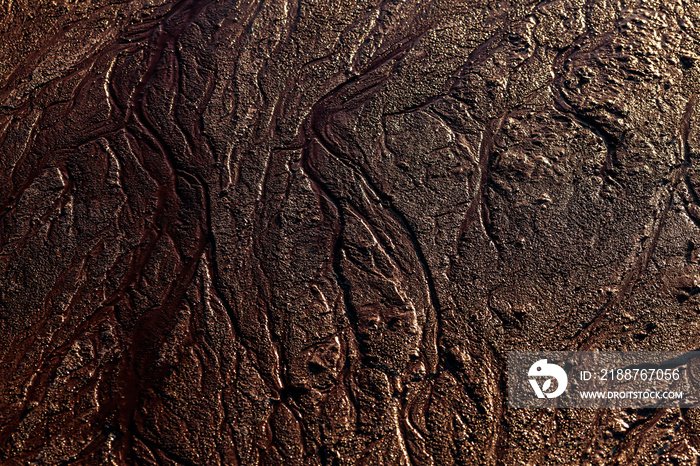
(296, 232)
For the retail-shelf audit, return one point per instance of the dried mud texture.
(307, 232)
